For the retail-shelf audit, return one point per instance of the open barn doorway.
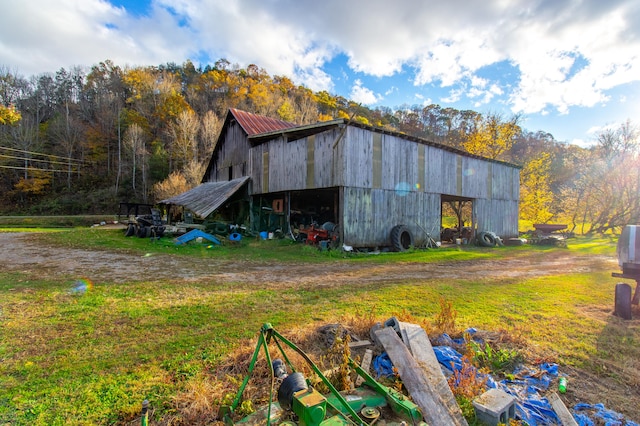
(294, 213)
(456, 221)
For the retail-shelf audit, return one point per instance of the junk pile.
(299, 402)
(526, 397)
(426, 370)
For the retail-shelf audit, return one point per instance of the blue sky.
(569, 67)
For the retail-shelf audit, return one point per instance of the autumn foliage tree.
(114, 133)
(605, 191)
(492, 136)
(536, 198)
(9, 115)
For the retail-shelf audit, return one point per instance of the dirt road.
(25, 252)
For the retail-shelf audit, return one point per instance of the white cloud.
(454, 96)
(558, 54)
(362, 95)
(43, 36)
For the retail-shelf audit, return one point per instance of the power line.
(23, 151)
(36, 169)
(38, 160)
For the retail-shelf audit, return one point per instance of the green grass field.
(92, 357)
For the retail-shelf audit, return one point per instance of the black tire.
(295, 382)
(486, 239)
(401, 238)
(144, 232)
(130, 231)
(623, 301)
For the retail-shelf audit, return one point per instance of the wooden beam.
(414, 379)
(566, 419)
(422, 351)
(359, 344)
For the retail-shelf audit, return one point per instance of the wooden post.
(414, 379)
(422, 351)
(566, 419)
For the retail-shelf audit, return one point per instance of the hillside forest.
(80, 141)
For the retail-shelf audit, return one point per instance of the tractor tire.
(144, 232)
(401, 238)
(623, 301)
(486, 239)
(130, 231)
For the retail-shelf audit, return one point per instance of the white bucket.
(458, 241)
(271, 235)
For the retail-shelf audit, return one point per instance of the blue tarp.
(383, 366)
(586, 415)
(531, 406)
(195, 233)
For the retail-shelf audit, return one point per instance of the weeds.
(339, 355)
(466, 384)
(445, 320)
(498, 361)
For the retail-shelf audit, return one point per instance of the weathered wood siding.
(387, 180)
(231, 156)
(499, 216)
(390, 181)
(376, 160)
(307, 163)
(370, 214)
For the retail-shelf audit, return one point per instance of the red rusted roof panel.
(256, 124)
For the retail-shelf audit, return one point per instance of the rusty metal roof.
(205, 198)
(256, 124)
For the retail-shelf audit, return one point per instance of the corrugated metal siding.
(204, 199)
(255, 124)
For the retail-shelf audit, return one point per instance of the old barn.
(359, 181)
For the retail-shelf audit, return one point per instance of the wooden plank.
(365, 365)
(359, 344)
(414, 379)
(377, 161)
(311, 161)
(566, 419)
(422, 351)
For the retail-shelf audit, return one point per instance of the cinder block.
(495, 406)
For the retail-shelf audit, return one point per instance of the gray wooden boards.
(566, 419)
(420, 347)
(414, 379)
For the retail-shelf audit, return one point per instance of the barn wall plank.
(370, 214)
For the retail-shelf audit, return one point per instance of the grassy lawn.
(92, 356)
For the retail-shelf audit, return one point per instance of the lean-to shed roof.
(205, 198)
